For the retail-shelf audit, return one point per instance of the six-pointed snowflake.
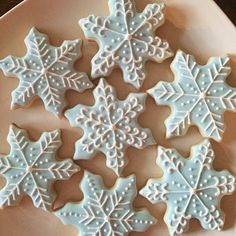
(126, 39)
(110, 126)
(31, 168)
(191, 188)
(199, 95)
(45, 71)
(106, 211)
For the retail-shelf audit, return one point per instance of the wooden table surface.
(228, 6)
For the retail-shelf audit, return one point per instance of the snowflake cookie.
(45, 71)
(126, 39)
(199, 95)
(31, 168)
(191, 188)
(110, 126)
(106, 211)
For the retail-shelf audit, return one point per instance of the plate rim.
(11, 11)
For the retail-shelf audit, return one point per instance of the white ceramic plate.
(198, 27)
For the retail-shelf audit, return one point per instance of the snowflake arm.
(190, 187)
(169, 93)
(106, 211)
(133, 69)
(110, 126)
(103, 62)
(198, 96)
(31, 168)
(45, 71)
(94, 25)
(126, 39)
(120, 8)
(107, 55)
(153, 17)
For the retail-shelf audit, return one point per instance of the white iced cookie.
(31, 168)
(106, 212)
(199, 96)
(191, 188)
(127, 39)
(45, 71)
(110, 126)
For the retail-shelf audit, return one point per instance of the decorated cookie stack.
(199, 96)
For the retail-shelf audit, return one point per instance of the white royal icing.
(126, 38)
(199, 95)
(31, 168)
(106, 211)
(191, 188)
(45, 71)
(110, 126)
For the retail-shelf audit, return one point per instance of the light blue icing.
(110, 126)
(126, 39)
(198, 96)
(106, 211)
(190, 187)
(31, 168)
(45, 71)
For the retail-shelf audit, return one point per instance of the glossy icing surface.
(199, 95)
(126, 39)
(110, 126)
(190, 187)
(45, 71)
(106, 211)
(31, 168)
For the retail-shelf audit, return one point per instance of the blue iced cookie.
(110, 126)
(127, 39)
(31, 168)
(45, 71)
(106, 211)
(198, 96)
(191, 188)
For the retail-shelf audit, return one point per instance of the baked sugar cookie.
(126, 39)
(106, 211)
(31, 168)
(110, 126)
(198, 96)
(191, 188)
(45, 71)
